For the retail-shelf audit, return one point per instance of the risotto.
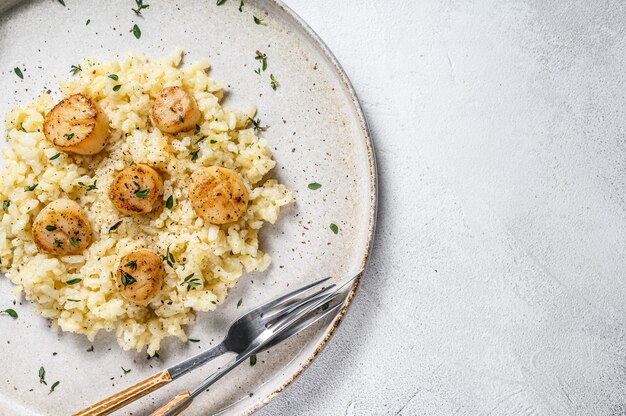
(201, 260)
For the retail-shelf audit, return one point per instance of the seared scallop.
(140, 276)
(175, 110)
(135, 189)
(78, 125)
(62, 228)
(218, 195)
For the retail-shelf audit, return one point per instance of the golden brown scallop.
(136, 189)
(140, 276)
(218, 195)
(175, 110)
(62, 228)
(78, 125)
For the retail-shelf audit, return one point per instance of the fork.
(266, 327)
(259, 329)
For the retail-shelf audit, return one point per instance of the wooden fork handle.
(162, 411)
(121, 399)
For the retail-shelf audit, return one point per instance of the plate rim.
(373, 203)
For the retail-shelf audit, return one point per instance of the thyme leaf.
(136, 31)
(54, 386)
(191, 282)
(127, 279)
(116, 225)
(11, 313)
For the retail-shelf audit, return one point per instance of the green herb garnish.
(191, 282)
(256, 125)
(11, 313)
(73, 300)
(50, 227)
(127, 279)
(194, 154)
(239, 303)
(31, 187)
(241, 6)
(75, 69)
(73, 281)
(116, 225)
(169, 258)
(131, 264)
(125, 370)
(169, 204)
(193, 340)
(334, 228)
(197, 130)
(89, 187)
(117, 87)
(54, 386)
(142, 193)
(88, 21)
(274, 84)
(55, 156)
(18, 72)
(42, 375)
(114, 77)
(200, 140)
(58, 243)
(6, 204)
(314, 186)
(260, 56)
(68, 136)
(220, 2)
(252, 360)
(62, 2)
(136, 31)
(74, 242)
(140, 7)
(213, 141)
(90, 349)
(258, 21)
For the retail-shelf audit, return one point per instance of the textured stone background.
(497, 281)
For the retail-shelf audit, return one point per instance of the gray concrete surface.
(498, 277)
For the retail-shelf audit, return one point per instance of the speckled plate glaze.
(317, 133)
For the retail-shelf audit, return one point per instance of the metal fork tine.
(304, 325)
(335, 287)
(304, 308)
(286, 298)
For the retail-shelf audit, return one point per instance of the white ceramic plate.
(317, 133)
